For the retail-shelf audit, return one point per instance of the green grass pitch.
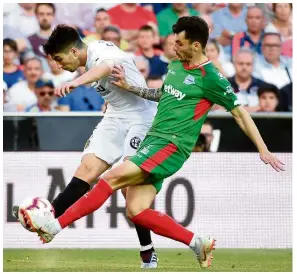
(127, 260)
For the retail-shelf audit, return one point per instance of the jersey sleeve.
(218, 90)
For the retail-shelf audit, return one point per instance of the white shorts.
(114, 138)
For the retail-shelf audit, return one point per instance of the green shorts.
(160, 158)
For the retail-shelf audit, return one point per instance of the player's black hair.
(268, 88)
(113, 29)
(51, 5)
(147, 28)
(101, 10)
(10, 43)
(195, 27)
(62, 39)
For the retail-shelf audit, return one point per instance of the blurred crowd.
(250, 44)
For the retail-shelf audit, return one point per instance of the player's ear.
(74, 51)
(196, 46)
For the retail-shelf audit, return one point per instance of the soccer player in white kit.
(125, 123)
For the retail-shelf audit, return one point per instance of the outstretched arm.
(247, 124)
(94, 74)
(152, 94)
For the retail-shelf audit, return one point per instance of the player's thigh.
(107, 140)
(90, 168)
(139, 198)
(134, 137)
(125, 174)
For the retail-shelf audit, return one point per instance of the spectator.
(11, 72)
(79, 16)
(142, 65)
(287, 48)
(169, 52)
(204, 8)
(102, 20)
(272, 67)
(252, 38)
(207, 131)
(282, 22)
(145, 43)
(200, 145)
(154, 82)
(15, 34)
(82, 98)
(113, 34)
(155, 7)
(130, 18)
(22, 94)
(286, 98)
(44, 91)
(268, 98)
(227, 22)
(168, 17)
(57, 75)
(7, 107)
(244, 85)
(23, 18)
(45, 13)
(213, 53)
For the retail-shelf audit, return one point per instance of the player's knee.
(86, 172)
(134, 210)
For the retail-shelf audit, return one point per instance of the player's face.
(67, 61)
(183, 47)
(268, 102)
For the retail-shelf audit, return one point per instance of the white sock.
(193, 241)
(146, 247)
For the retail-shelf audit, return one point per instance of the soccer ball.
(41, 205)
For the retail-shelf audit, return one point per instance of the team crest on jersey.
(189, 80)
(135, 142)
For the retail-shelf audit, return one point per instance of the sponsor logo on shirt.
(221, 76)
(229, 90)
(171, 72)
(190, 80)
(175, 92)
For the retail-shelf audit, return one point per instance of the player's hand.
(65, 88)
(118, 72)
(268, 158)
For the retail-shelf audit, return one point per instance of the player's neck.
(197, 60)
(83, 56)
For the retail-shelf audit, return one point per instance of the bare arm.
(248, 126)
(152, 94)
(94, 74)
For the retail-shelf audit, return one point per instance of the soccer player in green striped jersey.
(192, 86)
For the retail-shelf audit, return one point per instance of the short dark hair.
(274, 6)
(10, 43)
(51, 5)
(272, 33)
(101, 10)
(62, 38)
(195, 27)
(113, 29)
(147, 28)
(268, 88)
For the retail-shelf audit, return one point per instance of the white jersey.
(122, 103)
